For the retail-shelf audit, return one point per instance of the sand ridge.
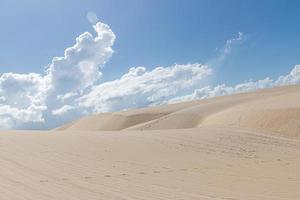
(275, 111)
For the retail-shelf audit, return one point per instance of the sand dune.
(244, 146)
(275, 111)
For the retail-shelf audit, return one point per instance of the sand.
(243, 146)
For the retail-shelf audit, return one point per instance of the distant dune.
(243, 146)
(275, 111)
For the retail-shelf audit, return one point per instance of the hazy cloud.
(226, 50)
(92, 17)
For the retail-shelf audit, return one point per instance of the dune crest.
(275, 111)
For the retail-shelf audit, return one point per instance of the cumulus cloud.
(139, 87)
(290, 79)
(79, 67)
(22, 98)
(71, 87)
(35, 98)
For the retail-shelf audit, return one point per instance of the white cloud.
(27, 98)
(22, 98)
(140, 87)
(64, 109)
(292, 78)
(79, 67)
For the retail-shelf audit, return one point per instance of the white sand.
(243, 146)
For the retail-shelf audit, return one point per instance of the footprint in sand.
(107, 176)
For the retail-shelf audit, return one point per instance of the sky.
(62, 59)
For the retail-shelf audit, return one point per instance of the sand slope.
(243, 146)
(275, 111)
(207, 163)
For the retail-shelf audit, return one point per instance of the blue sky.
(154, 33)
(137, 54)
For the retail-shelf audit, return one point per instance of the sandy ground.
(243, 146)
